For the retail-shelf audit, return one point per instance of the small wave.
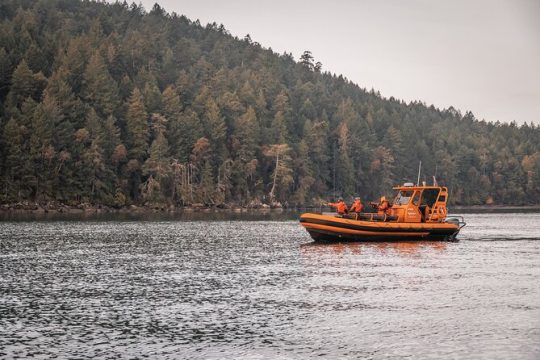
(503, 239)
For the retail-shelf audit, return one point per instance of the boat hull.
(327, 228)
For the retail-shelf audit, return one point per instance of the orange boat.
(417, 213)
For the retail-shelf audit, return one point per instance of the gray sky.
(481, 55)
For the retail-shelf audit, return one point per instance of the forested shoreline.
(110, 105)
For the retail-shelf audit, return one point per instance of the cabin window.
(403, 197)
(442, 198)
(416, 198)
(429, 197)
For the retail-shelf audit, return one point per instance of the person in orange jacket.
(384, 206)
(340, 206)
(357, 206)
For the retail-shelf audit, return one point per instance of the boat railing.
(459, 220)
(370, 217)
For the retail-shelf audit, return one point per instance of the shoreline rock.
(60, 208)
(255, 206)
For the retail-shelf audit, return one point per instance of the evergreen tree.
(344, 166)
(243, 123)
(215, 130)
(281, 122)
(41, 146)
(24, 84)
(137, 134)
(304, 174)
(5, 73)
(306, 59)
(14, 161)
(316, 140)
(99, 88)
(137, 126)
(157, 166)
(244, 146)
(172, 109)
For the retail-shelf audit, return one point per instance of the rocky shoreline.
(60, 208)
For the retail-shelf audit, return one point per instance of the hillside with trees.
(109, 104)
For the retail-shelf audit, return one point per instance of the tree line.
(110, 104)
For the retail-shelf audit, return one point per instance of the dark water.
(260, 289)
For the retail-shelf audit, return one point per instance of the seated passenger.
(384, 206)
(427, 211)
(340, 206)
(357, 206)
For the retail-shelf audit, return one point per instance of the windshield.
(403, 197)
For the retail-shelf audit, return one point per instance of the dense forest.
(110, 104)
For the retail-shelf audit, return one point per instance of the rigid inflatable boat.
(417, 213)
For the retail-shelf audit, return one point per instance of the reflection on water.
(200, 215)
(358, 248)
(218, 289)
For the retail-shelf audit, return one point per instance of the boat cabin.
(420, 203)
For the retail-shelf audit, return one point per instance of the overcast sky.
(478, 55)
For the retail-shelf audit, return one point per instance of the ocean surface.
(256, 287)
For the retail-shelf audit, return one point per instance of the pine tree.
(111, 138)
(381, 171)
(99, 178)
(99, 88)
(344, 166)
(37, 60)
(72, 109)
(42, 150)
(244, 146)
(200, 159)
(94, 127)
(229, 104)
(215, 130)
(281, 120)
(75, 59)
(137, 126)
(14, 161)
(24, 84)
(172, 109)
(230, 107)
(157, 166)
(191, 129)
(306, 59)
(303, 174)
(137, 135)
(94, 166)
(5, 73)
(279, 126)
(152, 97)
(316, 137)
(206, 186)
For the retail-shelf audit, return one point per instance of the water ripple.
(261, 289)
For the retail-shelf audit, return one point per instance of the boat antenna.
(419, 170)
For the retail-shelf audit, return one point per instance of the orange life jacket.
(357, 207)
(340, 206)
(384, 207)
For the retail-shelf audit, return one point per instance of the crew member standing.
(340, 206)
